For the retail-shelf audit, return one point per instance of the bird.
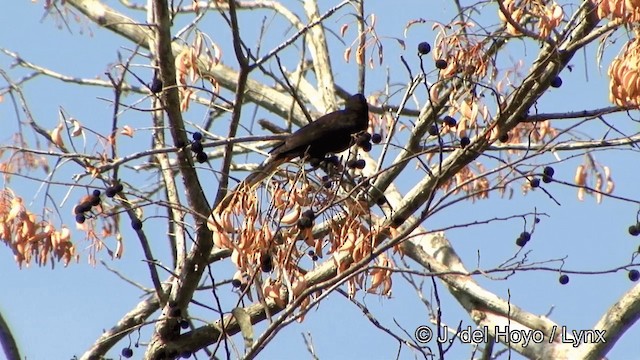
(331, 133)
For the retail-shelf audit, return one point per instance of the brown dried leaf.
(127, 131)
(56, 135)
(77, 128)
(343, 29)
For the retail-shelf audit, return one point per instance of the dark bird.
(331, 133)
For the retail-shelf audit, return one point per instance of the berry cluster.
(196, 147)
(547, 174)
(85, 206)
(313, 255)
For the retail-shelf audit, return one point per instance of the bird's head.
(357, 102)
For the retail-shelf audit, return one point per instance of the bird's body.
(331, 133)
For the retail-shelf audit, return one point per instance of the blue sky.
(56, 314)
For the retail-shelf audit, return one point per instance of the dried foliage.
(625, 11)
(273, 234)
(541, 16)
(30, 237)
(624, 73)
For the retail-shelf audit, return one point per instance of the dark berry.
(351, 164)
(156, 85)
(184, 324)
(634, 230)
(449, 121)
(504, 137)
(196, 147)
(525, 235)
(136, 224)
(267, 264)
(95, 201)
(314, 162)
(310, 214)
(520, 241)
(127, 352)
(333, 159)
(366, 147)
(326, 178)
(537, 220)
(464, 141)
(80, 218)
(546, 179)
(556, 82)
(236, 283)
(433, 130)
(119, 187)
(304, 222)
(535, 182)
(96, 193)
(327, 184)
(381, 200)
(634, 275)
(364, 137)
(360, 164)
(197, 136)
(110, 192)
(202, 157)
(441, 64)
(376, 138)
(563, 279)
(548, 170)
(311, 252)
(314, 258)
(424, 48)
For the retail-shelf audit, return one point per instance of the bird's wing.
(325, 127)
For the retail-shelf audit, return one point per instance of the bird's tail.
(265, 170)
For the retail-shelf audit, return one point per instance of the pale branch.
(362, 41)
(320, 54)
(577, 114)
(241, 85)
(300, 32)
(132, 320)
(65, 78)
(175, 231)
(560, 146)
(618, 319)
(190, 268)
